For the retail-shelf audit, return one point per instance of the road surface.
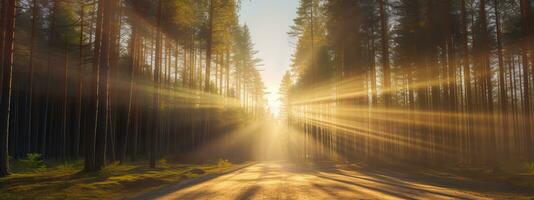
(281, 180)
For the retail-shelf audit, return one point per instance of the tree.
(7, 71)
(284, 92)
(112, 107)
(157, 82)
(439, 90)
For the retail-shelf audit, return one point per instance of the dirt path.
(281, 180)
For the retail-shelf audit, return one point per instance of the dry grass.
(116, 181)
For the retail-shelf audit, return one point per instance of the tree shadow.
(330, 188)
(380, 190)
(441, 179)
(249, 193)
(406, 179)
(189, 183)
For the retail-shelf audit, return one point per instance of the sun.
(273, 100)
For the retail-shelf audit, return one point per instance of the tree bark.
(155, 101)
(7, 71)
(65, 101)
(91, 136)
(527, 37)
(29, 91)
(502, 89)
(78, 120)
(385, 50)
(103, 85)
(209, 47)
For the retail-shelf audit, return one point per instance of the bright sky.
(269, 22)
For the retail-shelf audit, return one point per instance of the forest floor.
(286, 180)
(66, 181)
(264, 180)
(512, 180)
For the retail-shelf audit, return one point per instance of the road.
(282, 180)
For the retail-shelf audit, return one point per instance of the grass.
(66, 181)
(512, 179)
(516, 178)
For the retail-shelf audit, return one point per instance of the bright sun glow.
(273, 98)
(265, 20)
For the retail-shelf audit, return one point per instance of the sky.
(269, 22)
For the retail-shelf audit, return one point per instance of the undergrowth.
(34, 178)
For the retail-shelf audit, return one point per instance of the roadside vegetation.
(34, 178)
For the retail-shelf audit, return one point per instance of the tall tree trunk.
(221, 69)
(385, 50)
(47, 103)
(502, 89)
(65, 101)
(486, 87)
(385, 63)
(3, 12)
(155, 101)
(528, 36)
(113, 107)
(133, 67)
(467, 76)
(503, 117)
(103, 86)
(176, 64)
(524, 53)
(29, 91)
(91, 136)
(227, 82)
(209, 44)
(78, 120)
(185, 68)
(372, 55)
(7, 70)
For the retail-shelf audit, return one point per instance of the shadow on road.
(404, 181)
(285, 180)
(249, 193)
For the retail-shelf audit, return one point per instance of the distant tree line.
(425, 81)
(115, 80)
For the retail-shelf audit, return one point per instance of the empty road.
(281, 180)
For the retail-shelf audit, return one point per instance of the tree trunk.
(133, 68)
(47, 105)
(155, 101)
(91, 137)
(65, 101)
(3, 12)
(385, 51)
(103, 85)
(209, 45)
(502, 89)
(78, 120)
(29, 91)
(527, 36)
(7, 70)
(227, 82)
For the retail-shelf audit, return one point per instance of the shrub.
(32, 162)
(223, 163)
(530, 167)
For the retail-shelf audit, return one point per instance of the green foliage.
(32, 162)
(163, 163)
(530, 167)
(223, 163)
(116, 181)
(310, 57)
(182, 16)
(65, 24)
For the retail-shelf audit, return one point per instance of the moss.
(66, 181)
